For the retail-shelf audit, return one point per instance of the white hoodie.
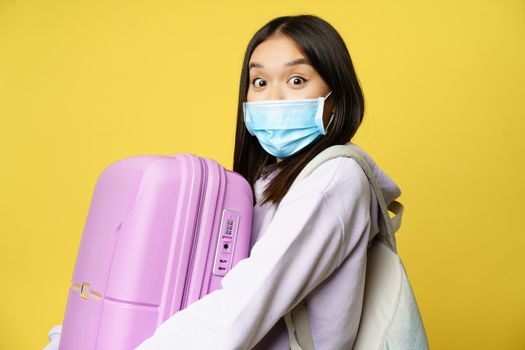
(311, 245)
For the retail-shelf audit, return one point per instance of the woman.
(309, 242)
(299, 94)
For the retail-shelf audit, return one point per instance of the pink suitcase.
(161, 233)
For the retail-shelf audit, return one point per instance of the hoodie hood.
(388, 187)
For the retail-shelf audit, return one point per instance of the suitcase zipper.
(202, 195)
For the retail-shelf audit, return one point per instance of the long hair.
(326, 51)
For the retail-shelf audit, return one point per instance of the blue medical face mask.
(284, 127)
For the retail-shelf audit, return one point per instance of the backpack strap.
(297, 319)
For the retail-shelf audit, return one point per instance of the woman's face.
(279, 71)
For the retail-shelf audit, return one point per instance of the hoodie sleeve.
(302, 246)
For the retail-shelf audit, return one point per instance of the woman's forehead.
(279, 52)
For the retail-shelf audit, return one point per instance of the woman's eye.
(262, 81)
(297, 80)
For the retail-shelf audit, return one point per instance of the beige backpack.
(390, 318)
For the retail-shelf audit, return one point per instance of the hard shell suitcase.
(161, 232)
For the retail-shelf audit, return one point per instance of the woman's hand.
(54, 337)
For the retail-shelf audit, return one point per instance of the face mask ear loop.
(331, 117)
(330, 122)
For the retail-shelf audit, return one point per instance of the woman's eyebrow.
(291, 63)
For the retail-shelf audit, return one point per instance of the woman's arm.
(301, 247)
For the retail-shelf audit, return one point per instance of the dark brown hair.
(326, 51)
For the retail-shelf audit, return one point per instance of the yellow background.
(86, 83)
